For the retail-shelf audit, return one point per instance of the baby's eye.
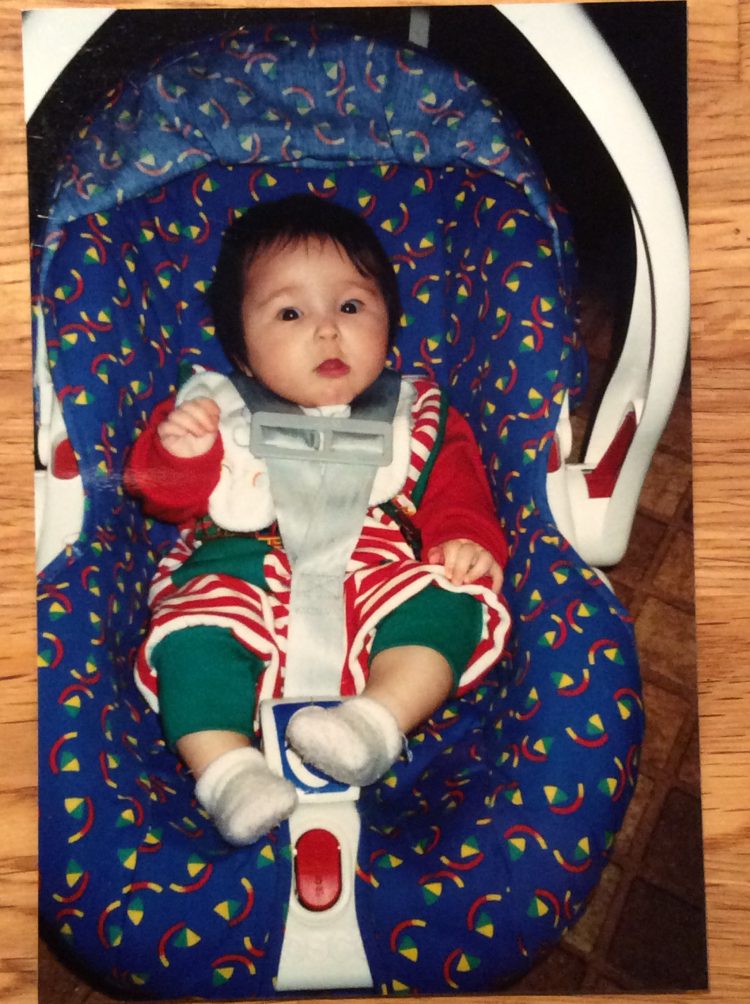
(351, 307)
(288, 314)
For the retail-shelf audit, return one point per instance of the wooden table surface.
(719, 74)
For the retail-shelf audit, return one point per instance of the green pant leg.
(450, 623)
(207, 681)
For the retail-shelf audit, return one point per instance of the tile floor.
(645, 926)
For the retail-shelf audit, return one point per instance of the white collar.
(330, 410)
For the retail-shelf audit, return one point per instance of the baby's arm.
(456, 516)
(190, 430)
(171, 487)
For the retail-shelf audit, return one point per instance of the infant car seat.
(480, 849)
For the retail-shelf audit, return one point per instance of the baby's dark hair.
(286, 222)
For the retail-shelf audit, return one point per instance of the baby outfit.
(220, 598)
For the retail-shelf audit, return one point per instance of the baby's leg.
(207, 682)
(411, 681)
(360, 739)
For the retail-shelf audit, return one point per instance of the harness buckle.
(315, 437)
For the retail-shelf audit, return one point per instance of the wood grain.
(17, 627)
(719, 70)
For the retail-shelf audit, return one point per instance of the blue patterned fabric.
(478, 853)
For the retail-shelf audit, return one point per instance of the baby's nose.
(328, 326)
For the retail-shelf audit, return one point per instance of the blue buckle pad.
(311, 783)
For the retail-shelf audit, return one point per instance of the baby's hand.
(191, 429)
(465, 562)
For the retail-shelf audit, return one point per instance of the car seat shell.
(480, 851)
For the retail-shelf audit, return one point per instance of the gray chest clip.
(327, 440)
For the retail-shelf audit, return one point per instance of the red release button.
(317, 870)
(64, 463)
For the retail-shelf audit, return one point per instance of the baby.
(306, 305)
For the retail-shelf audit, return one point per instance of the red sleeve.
(457, 501)
(173, 489)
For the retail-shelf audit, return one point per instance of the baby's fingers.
(191, 429)
(435, 555)
(485, 566)
(192, 418)
(459, 558)
(465, 562)
(200, 416)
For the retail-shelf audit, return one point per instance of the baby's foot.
(355, 742)
(243, 797)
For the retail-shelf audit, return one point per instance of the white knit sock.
(243, 797)
(355, 742)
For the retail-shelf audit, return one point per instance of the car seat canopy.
(305, 95)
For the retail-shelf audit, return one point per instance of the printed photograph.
(364, 502)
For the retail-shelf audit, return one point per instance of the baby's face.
(316, 330)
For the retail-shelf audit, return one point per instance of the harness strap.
(321, 496)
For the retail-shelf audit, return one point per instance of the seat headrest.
(294, 94)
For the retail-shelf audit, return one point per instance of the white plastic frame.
(50, 40)
(650, 367)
